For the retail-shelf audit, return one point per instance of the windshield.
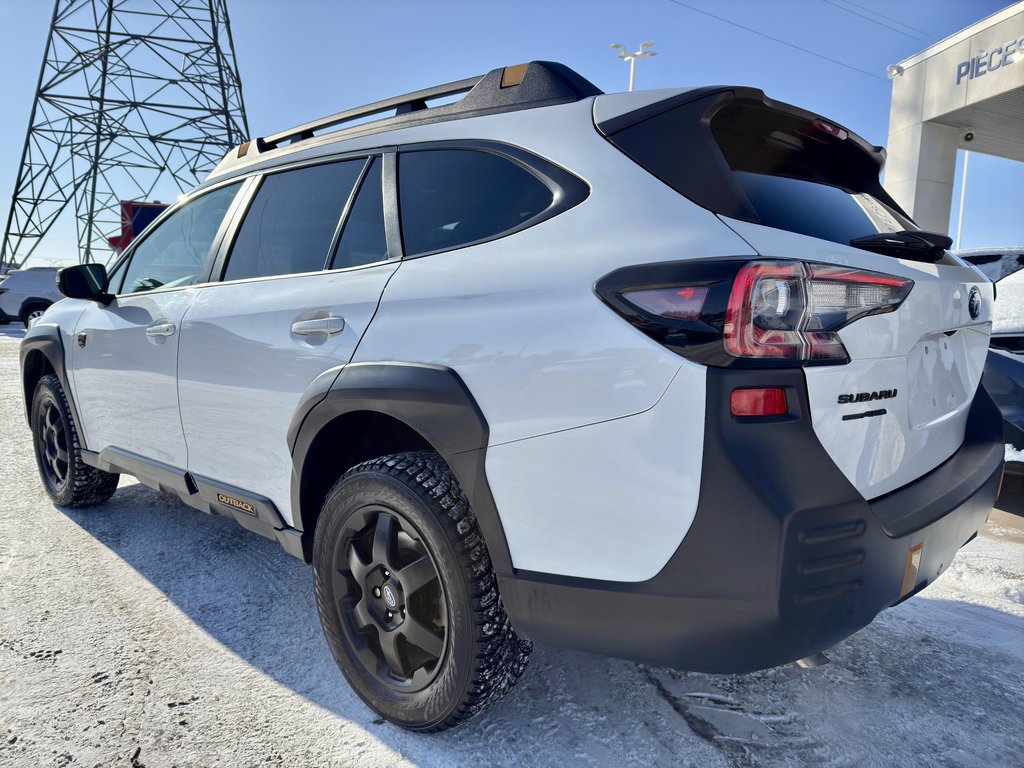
(818, 210)
(996, 266)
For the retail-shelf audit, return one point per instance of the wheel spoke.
(384, 539)
(390, 650)
(62, 455)
(367, 655)
(361, 615)
(50, 416)
(419, 634)
(356, 564)
(416, 575)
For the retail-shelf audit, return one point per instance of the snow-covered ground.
(142, 632)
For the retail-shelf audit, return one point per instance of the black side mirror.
(85, 281)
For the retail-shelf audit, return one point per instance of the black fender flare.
(430, 399)
(47, 340)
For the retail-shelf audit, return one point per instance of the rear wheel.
(68, 480)
(407, 597)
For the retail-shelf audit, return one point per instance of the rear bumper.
(784, 559)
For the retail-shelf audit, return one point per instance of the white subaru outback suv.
(663, 375)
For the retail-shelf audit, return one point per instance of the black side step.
(253, 512)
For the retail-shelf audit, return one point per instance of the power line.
(865, 16)
(778, 40)
(887, 18)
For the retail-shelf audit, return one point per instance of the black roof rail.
(523, 86)
(409, 102)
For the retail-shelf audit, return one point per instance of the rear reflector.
(767, 401)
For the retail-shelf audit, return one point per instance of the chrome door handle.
(163, 329)
(329, 325)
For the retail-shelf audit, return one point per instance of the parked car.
(1004, 369)
(1005, 267)
(1004, 381)
(664, 375)
(26, 293)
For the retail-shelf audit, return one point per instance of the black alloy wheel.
(407, 597)
(393, 604)
(52, 445)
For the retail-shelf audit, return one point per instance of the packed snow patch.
(141, 632)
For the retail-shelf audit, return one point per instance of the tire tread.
(89, 485)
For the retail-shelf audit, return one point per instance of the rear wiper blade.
(911, 244)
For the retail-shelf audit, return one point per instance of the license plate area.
(936, 378)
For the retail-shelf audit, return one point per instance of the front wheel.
(407, 597)
(31, 313)
(68, 480)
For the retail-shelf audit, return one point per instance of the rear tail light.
(767, 401)
(791, 309)
(751, 313)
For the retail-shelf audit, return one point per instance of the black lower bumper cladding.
(784, 558)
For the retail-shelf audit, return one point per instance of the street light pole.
(963, 200)
(631, 57)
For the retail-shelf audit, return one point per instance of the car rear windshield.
(996, 266)
(772, 165)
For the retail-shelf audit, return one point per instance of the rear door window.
(292, 221)
(450, 198)
(364, 240)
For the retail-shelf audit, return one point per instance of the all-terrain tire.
(482, 657)
(68, 480)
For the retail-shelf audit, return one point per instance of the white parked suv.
(26, 293)
(664, 375)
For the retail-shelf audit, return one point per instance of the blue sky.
(307, 58)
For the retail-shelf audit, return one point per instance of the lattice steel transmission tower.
(135, 98)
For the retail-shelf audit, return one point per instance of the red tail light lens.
(792, 309)
(767, 401)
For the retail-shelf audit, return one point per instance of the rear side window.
(450, 198)
(175, 253)
(291, 223)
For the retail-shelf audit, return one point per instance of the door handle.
(162, 329)
(329, 325)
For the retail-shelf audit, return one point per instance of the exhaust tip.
(817, 660)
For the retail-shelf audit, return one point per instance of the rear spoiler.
(732, 94)
(675, 140)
